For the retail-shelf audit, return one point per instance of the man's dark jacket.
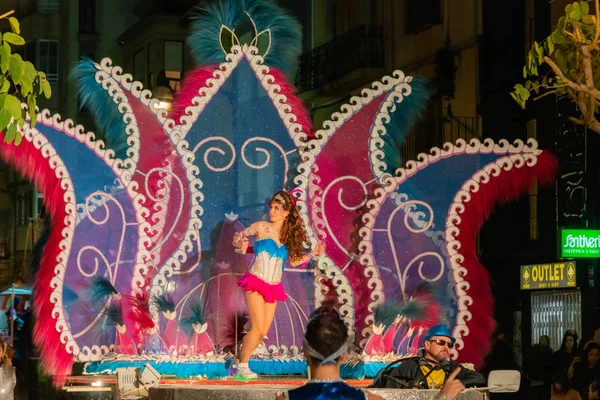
(408, 374)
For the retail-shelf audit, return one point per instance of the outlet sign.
(580, 243)
(549, 276)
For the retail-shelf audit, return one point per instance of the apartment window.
(174, 63)
(529, 25)
(48, 59)
(44, 55)
(87, 16)
(48, 6)
(24, 207)
(367, 12)
(533, 190)
(139, 66)
(421, 14)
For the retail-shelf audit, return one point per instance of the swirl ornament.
(218, 150)
(329, 271)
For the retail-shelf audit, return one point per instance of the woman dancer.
(281, 238)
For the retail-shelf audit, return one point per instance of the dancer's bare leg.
(269, 314)
(256, 307)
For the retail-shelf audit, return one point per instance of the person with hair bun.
(325, 346)
(279, 239)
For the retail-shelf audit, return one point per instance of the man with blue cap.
(431, 368)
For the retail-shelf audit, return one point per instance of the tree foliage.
(572, 52)
(20, 82)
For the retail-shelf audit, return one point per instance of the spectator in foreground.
(325, 346)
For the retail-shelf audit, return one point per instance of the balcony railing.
(437, 131)
(421, 14)
(359, 48)
(39, 6)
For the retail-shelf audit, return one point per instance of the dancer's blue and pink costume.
(265, 275)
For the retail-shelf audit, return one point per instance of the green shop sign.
(549, 276)
(580, 243)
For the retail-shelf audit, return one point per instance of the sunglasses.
(441, 342)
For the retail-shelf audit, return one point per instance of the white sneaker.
(243, 373)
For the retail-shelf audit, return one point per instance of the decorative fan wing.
(423, 228)
(98, 230)
(342, 169)
(161, 164)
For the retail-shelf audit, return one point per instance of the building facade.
(356, 42)
(58, 33)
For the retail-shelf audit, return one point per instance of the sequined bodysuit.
(265, 275)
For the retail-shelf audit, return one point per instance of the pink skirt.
(271, 293)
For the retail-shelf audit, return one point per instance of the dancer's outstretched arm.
(319, 250)
(240, 239)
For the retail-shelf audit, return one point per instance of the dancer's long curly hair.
(292, 233)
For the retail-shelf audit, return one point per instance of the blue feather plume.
(413, 309)
(385, 313)
(417, 305)
(69, 296)
(114, 315)
(104, 110)
(406, 113)
(100, 289)
(426, 288)
(164, 303)
(285, 31)
(196, 314)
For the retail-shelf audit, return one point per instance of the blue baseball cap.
(439, 330)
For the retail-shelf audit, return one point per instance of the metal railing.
(39, 6)
(358, 48)
(421, 14)
(436, 131)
